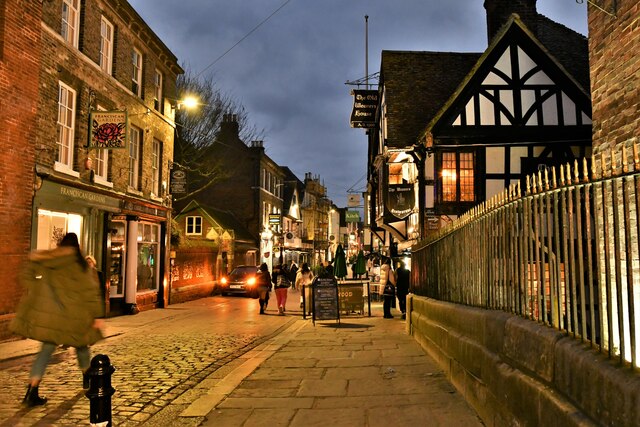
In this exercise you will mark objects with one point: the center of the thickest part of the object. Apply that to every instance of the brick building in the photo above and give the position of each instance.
(93, 58)
(252, 189)
(19, 65)
(614, 43)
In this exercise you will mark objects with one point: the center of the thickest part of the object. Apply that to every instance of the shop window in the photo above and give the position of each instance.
(148, 256)
(194, 225)
(70, 21)
(52, 226)
(457, 174)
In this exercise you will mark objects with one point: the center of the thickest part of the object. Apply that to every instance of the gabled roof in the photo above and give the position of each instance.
(512, 30)
(416, 85)
(225, 219)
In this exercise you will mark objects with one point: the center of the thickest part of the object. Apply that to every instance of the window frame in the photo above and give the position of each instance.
(135, 147)
(193, 225)
(156, 162)
(457, 180)
(106, 59)
(136, 72)
(158, 80)
(70, 7)
(66, 111)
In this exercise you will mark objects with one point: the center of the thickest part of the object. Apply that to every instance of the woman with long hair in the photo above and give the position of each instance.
(60, 307)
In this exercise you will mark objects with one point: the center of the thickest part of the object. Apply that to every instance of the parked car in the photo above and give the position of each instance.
(241, 280)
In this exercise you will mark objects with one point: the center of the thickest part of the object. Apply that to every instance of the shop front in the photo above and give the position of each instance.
(59, 209)
(127, 238)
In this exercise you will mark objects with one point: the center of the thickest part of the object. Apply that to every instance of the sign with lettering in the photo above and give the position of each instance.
(274, 219)
(325, 298)
(351, 297)
(108, 129)
(352, 216)
(365, 104)
(178, 181)
(401, 200)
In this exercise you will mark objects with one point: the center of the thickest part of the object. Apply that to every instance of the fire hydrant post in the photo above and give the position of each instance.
(100, 390)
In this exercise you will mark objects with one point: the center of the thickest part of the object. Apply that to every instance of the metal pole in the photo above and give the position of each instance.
(366, 49)
(100, 390)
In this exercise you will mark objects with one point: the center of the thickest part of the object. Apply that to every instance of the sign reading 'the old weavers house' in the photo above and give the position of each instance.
(365, 103)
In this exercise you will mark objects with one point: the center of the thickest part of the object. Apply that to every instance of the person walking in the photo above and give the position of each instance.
(61, 307)
(280, 280)
(388, 279)
(263, 283)
(403, 281)
(293, 274)
(303, 282)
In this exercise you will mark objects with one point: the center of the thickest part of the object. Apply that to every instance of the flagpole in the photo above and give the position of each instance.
(366, 49)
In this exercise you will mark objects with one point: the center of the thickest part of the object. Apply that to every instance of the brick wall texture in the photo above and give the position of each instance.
(614, 44)
(19, 65)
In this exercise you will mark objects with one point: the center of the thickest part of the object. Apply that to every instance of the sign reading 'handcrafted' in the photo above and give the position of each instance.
(365, 103)
(108, 129)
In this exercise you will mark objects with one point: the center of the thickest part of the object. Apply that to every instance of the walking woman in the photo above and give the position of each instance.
(388, 278)
(280, 280)
(303, 281)
(264, 286)
(60, 308)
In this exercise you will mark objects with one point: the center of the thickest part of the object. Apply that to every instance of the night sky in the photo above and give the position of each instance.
(289, 73)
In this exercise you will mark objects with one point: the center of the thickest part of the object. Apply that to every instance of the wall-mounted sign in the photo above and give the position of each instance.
(400, 200)
(274, 219)
(108, 129)
(178, 181)
(365, 104)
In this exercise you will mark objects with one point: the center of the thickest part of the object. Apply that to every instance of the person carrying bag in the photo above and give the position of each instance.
(388, 277)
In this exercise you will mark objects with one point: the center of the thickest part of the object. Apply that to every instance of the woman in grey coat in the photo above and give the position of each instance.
(60, 308)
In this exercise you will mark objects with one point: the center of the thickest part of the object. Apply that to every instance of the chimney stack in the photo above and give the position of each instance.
(229, 128)
(499, 11)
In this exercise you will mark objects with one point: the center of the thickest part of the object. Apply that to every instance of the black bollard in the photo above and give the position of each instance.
(100, 390)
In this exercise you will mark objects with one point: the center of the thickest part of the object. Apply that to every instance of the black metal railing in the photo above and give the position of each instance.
(564, 253)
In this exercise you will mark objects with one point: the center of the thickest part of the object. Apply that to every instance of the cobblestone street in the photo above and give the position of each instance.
(159, 357)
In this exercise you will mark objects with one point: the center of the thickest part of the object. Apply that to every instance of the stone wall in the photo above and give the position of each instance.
(193, 274)
(516, 372)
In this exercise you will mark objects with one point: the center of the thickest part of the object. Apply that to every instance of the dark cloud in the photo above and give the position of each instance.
(290, 73)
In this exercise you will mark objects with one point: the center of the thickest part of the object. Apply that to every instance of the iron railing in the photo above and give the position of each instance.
(565, 253)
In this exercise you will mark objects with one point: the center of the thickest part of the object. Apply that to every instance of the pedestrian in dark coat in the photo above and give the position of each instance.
(388, 281)
(60, 307)
(403, 280)
(263, 281)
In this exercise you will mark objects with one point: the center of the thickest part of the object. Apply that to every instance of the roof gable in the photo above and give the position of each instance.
(517, 88)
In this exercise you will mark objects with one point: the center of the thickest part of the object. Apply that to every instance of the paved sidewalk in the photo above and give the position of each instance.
(365, 371)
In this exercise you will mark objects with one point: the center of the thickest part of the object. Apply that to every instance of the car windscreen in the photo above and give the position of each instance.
(242, 272)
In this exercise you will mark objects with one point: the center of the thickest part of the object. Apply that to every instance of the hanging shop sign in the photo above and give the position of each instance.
(274, 219)
(400, 200)
(352, 216)
(353, 200)
(108, 129)
(365, 104)
(178, 181)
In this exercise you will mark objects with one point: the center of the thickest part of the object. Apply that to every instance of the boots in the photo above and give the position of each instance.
(85, 380)
(32, 399)
(262, 304)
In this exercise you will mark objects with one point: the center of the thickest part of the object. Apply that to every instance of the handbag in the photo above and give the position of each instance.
(282, 281)
(389, 289)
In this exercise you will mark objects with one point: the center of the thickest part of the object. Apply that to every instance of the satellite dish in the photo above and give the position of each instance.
(289, 235)
(332, 237)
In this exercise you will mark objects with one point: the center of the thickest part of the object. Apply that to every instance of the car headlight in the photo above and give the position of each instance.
(251, 281)
(223, 280)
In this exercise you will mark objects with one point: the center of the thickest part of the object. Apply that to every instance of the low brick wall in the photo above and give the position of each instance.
(516, 372)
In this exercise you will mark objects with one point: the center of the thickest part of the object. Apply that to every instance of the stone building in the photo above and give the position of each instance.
(99, 68)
